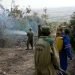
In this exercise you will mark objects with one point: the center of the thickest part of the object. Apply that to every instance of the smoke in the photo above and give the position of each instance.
(14, 29)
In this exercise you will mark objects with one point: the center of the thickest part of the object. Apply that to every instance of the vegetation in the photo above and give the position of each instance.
(72, 21)
(72, 24)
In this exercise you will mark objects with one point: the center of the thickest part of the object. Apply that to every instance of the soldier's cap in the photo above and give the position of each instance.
(30, 28)
(47, 28)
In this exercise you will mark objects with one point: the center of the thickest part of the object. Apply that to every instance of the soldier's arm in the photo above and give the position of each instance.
(68, 48)
(55, 58)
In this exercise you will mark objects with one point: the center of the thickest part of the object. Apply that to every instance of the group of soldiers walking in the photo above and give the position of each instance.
(51, 56)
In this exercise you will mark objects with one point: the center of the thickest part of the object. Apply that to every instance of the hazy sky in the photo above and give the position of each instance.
(40, 3)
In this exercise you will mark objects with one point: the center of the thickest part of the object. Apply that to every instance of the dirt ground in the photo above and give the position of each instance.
(71, 66)
(18, 61)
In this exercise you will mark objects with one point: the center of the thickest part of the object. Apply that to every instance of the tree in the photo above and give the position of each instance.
(45, 16)
(1, 6)
(16, 12)
(72, 21)
(72, 24)
(28, 10)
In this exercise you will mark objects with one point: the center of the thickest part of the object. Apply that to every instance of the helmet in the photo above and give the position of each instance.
(45, 30)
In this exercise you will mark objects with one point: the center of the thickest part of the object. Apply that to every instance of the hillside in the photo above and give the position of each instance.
(58, 14)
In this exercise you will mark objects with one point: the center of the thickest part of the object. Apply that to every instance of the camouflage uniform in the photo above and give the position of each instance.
(46, 57)
(30, 39)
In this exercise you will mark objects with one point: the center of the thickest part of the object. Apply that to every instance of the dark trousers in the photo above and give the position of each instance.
(29, 42)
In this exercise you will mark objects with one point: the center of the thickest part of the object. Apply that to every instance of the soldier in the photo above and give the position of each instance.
(46, 57)
(59, 41)
(66, 51)
(39, 30)
(30, 39)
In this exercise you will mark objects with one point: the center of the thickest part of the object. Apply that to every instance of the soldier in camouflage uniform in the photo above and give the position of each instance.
(30, 39)
(46, 57)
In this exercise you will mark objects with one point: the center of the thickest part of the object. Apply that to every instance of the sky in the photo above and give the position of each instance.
(36, 4)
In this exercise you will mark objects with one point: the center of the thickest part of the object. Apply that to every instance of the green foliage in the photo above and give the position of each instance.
(72, 21)
(16, 12)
